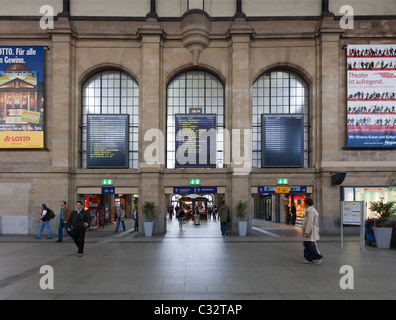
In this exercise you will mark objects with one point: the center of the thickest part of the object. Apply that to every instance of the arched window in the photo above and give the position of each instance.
(280, 120)
(197, 96)
(110, 93)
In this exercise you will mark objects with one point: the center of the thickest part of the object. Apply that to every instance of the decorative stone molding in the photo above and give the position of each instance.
(195, 26)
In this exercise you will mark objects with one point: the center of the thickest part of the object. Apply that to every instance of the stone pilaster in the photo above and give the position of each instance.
(328, 147)
(151, 186)
(240, 118)
(62, 54)
(329, 89)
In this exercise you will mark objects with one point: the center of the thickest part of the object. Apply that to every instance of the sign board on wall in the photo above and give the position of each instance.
(107, 144)
(282, 138)
(186, 190)
(195, 141)
(371, 79)
(291, 189)
(21, 97)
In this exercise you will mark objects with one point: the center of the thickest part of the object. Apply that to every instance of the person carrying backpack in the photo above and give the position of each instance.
(46, 215)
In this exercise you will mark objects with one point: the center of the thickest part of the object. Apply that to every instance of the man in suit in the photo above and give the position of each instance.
(79, 220)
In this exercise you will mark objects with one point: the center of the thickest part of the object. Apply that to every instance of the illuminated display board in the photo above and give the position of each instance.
(107, 144)
(195, 141)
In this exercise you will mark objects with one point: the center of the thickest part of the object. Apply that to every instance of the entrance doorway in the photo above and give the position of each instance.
(200, 219)
(266, 207)
(277, 207)
(103, 208)
(202, 204)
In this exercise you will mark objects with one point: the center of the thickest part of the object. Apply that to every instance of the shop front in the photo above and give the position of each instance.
(368, 194)
(276, 204)
(104, 203)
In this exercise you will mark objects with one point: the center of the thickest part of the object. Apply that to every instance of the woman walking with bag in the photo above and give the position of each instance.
(311, 234)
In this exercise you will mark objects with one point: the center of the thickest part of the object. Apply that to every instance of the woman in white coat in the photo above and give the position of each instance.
(311, 233)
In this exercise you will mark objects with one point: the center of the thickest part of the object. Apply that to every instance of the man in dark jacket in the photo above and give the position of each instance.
(224, 213)
(80, 220)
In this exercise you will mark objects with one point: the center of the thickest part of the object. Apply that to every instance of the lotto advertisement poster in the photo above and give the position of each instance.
(371, 94)
(21, 97)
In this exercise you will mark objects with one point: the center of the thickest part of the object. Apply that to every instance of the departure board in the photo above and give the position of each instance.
(195, 141)
(282, 138)
(107, 144)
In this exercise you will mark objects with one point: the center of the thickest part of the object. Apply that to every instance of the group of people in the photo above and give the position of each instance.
(75, 223)
(223, 213)
(187, 212)
(120, 218)
(310, 228)
(78, 220)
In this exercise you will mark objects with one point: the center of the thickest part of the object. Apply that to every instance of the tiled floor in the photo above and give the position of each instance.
(195, 263)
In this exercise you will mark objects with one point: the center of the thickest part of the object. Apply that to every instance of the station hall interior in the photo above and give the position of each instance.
(186, 103)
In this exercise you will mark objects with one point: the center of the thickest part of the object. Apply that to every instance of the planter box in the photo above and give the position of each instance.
(242, 228)
(148, 229)
(393, 240)
(383, 237)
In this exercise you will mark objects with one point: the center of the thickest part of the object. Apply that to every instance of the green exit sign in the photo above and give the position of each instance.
(107, 182)
(195, 181)
(283, 181)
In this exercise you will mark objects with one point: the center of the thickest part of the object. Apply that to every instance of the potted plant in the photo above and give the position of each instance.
(384, 211)
(241, 214)
(149, 216)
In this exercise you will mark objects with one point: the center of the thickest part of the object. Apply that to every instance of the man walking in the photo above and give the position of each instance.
(224, 212)
(45, 222)
(293, 211)
(120, 218)
(64, 216)
(80, 220)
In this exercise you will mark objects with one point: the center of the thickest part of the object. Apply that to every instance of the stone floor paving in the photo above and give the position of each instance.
(196, 263)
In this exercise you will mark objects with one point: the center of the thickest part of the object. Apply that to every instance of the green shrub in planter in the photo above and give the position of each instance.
(385, 211)
(241, 210)
(149, 211)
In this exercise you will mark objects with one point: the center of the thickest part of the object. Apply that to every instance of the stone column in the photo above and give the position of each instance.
(327, 197)
(329, 38)
(240, 118)
(59, 110)
(152, 189)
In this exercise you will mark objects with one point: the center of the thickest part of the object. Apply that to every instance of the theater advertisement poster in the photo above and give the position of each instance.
(21, 97)
(371, 94)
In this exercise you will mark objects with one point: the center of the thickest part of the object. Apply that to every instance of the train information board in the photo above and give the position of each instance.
(195, 141)
(107, 144)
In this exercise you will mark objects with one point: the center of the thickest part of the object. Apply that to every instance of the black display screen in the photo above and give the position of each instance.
(107, 144)
(282, 140)
(195, 141)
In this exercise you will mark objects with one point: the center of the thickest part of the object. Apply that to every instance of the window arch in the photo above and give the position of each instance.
(195, 92)
(111, 92)
(283, 93)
